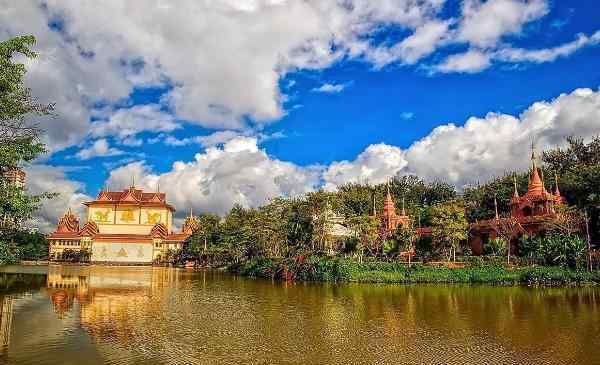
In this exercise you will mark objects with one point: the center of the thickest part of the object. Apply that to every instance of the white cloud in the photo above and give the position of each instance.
(330, 88)
(549, 54)
(126, 123)
(424, 41)
(239, 172)
(223, 66)
(374, 165)
(470, 62)
(483, 23)
(42, 179)
(476, 60)
(100, 148)
(482, 148)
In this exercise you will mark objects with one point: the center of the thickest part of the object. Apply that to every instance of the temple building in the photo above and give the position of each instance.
(126, 227)
(390, 220)
(532, 211)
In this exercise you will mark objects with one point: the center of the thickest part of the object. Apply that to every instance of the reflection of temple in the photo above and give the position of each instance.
(530, 212)
(110, 301)
(130, 226)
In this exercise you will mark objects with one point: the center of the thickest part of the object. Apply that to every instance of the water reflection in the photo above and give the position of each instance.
(159, 315)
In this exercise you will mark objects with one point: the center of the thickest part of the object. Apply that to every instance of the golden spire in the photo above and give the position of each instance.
(556, 190)
(516, 194)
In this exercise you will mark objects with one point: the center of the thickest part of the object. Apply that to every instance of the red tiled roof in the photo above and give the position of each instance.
(132, 196)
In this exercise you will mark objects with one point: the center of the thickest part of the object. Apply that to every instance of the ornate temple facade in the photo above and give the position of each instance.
(530, 212)
(127, 227)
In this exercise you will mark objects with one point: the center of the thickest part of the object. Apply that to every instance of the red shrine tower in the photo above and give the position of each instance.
(537, 201)
(389, 219)
(532, 211)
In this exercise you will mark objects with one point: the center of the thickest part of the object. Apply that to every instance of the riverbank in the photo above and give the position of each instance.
(347, 270)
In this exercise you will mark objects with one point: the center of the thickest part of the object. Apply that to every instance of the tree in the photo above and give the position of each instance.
(20, 140)
(506, 228)
(406, 236)
(449, 226)
(578, 168)
(366, 231)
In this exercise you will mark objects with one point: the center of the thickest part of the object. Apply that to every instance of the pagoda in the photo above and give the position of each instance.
(390, 220)
(532, 211)
(127, 227)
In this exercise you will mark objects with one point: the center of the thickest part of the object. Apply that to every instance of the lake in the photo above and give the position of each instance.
(151, 315)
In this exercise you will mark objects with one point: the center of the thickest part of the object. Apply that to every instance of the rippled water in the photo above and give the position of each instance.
(144, 315)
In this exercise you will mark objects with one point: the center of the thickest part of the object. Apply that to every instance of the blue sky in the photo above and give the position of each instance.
(344, 94)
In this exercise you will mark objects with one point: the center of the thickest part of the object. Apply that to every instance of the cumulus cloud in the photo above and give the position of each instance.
(238, 172)
(223, 70)
(100, 148)
(374, 165)
(480, 149)
(42, 179)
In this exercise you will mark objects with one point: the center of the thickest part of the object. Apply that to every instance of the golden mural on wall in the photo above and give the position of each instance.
(127, 216)
(101, 216)
(152, 217)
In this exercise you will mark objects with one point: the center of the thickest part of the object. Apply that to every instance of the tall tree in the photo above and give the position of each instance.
(20, 138)
(449, 226)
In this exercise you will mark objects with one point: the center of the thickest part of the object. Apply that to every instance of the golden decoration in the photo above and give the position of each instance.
(101, 216)
(127, 216)
(153, 217)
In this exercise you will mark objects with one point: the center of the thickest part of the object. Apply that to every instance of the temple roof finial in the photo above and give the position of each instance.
(403, 210)
(556, 189)
(496, 207)
(516, 194)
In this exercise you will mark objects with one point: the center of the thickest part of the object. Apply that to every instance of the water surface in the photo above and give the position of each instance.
(145, 315)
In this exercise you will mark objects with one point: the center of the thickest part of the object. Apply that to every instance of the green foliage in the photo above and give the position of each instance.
(555, 250)
(495, 247)
(345, 270)
(449, 225)
(20, 143)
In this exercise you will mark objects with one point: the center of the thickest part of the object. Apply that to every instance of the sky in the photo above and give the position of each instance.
(218, 102)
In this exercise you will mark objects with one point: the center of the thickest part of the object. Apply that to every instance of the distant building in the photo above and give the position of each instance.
(127, 227)
(532, 211)
(390, 220)
(14, 177)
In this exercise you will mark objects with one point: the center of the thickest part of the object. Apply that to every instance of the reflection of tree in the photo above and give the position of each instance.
(6, 314)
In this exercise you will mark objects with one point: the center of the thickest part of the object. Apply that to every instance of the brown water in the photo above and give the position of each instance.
(111, 315)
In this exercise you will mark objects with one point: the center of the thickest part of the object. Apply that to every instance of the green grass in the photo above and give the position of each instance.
(344, 270)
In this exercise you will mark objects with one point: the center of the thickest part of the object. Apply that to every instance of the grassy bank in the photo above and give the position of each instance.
(346, 270)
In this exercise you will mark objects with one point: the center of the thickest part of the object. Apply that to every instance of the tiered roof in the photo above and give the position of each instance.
(132, 196)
